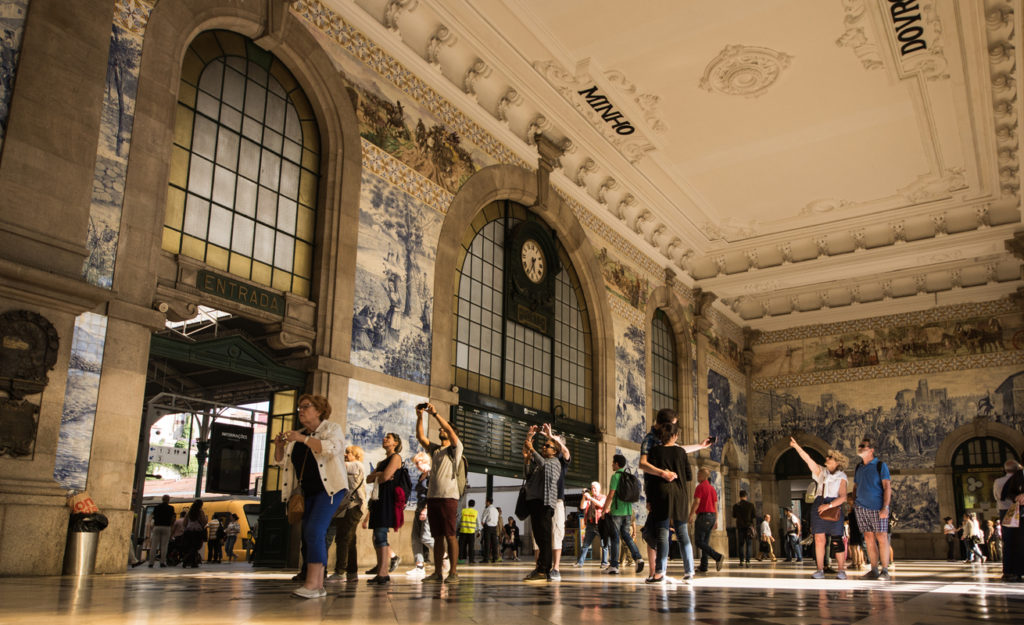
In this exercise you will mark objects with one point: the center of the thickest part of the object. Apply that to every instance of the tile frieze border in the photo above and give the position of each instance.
(891, 370)
(944, 313)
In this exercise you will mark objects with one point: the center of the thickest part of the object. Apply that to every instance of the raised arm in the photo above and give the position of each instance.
(811, 464)
(447, 427)
(562, 449)
(694, 448)
(421, 424)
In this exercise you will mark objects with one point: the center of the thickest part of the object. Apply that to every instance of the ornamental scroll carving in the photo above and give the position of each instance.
(28, 351)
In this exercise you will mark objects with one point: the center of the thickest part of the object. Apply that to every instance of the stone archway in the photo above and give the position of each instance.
(979, 428)
(769, 483)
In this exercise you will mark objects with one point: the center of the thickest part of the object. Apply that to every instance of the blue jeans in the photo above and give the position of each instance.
(795, 548)
(702, 527)
(746, 544)
(660, 537)
(621, 524)
(317, 516)
(588, 539)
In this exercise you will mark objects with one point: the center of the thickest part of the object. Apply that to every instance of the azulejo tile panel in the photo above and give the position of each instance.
(12, 26)
(630, 381)
(394, 281)
(127, 31)
(727, 413)
(909, 417)
(374, 411)
(81, 395)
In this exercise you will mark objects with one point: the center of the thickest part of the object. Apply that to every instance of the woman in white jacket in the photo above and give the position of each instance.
(974, 537)
(312, 467)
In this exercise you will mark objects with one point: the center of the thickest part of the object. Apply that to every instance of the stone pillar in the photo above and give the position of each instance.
(45, 190)
(119, 416)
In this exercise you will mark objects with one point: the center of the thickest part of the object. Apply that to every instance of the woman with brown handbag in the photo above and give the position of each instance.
(827, 509)
(312, 469)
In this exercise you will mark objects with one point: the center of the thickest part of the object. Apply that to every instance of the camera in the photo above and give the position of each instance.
(712, 439)
(422, 406)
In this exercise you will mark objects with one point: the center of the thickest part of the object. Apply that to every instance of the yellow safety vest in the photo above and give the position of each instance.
(468, 523)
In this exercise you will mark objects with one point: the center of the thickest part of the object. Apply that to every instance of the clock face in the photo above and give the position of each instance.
(533, 261)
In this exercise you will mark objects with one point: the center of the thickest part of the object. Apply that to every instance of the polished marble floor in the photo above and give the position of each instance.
(929, 593)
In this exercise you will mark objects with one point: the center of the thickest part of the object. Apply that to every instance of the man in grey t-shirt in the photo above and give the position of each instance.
(443, 490)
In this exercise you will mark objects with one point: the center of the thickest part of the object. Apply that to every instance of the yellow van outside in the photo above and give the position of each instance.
(247, 509)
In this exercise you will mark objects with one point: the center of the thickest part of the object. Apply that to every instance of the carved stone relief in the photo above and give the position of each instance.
(28, 350)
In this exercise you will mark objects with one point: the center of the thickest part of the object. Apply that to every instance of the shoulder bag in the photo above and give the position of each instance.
(296, 502)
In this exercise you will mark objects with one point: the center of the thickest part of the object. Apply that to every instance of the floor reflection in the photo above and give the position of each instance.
(921, 592)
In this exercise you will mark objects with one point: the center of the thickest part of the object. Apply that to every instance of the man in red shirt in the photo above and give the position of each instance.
(705, 511)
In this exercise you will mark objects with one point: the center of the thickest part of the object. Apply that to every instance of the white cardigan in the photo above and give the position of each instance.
(330, 461)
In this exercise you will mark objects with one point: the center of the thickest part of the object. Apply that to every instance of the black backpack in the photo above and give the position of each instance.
(629, 487)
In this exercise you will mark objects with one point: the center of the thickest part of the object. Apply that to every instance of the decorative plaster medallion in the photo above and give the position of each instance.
(744, 70)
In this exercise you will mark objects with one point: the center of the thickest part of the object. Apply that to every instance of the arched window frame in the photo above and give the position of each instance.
(567, 356)
(280, 189)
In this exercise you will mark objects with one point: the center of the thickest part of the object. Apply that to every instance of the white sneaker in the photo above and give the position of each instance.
(416, 572)
(306, 593)
(614, 570)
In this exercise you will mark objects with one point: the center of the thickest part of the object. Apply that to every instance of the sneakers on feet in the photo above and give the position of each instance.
(872, 574)
(577, 564)
(841, 575)
(613, 570)
(352, 577)
(719, 562)
(655, 580)
(819, 574)
(883, 575)
(452, 578)
(395, 561)
(554, 576)
(639, 566)
(535, 576)
(433, 577)
(308, 593)
(416, 572)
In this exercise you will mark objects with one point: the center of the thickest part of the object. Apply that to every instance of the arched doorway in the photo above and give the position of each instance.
(792, 477)
(976, 464)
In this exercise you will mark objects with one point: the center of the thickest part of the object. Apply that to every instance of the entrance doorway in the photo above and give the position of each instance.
(219, 369)
(976, 464)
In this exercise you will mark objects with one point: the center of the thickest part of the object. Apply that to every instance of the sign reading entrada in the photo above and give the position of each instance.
(601, 105)
(236, 291)
(905, 20)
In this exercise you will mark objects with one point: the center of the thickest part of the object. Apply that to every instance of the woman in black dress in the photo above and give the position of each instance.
(510, 538)
(670, 503)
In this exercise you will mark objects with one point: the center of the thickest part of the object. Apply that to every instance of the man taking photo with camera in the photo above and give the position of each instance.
(443, 490)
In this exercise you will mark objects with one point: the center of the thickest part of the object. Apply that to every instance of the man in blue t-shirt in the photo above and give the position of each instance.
(873, 493)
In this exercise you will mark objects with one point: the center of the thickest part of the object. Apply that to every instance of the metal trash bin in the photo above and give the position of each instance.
(80, 555)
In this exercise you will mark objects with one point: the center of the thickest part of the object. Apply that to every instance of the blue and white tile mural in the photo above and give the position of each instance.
(80, 397)
(727, 415)
(127, 31)
(630, 382)
(914, 503)
(373, 411)
(908, 416)
(12, 26)
(394, 282)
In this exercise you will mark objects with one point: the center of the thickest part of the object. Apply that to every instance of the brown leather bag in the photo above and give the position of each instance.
(832, 514)
(297, 502)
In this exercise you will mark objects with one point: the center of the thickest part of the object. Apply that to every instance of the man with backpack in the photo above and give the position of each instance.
(623, 492)
(873, 493)
(443, 491)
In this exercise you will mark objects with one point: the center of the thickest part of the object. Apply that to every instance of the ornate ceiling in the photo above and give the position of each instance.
(803, 160)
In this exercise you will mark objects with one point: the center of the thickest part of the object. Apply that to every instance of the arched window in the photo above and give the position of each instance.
(498, 357)
(245, 165)
(664, 389)
(976, 464)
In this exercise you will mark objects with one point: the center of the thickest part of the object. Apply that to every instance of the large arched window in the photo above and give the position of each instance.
(664, 382)
(245, 165)
(498, 357)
